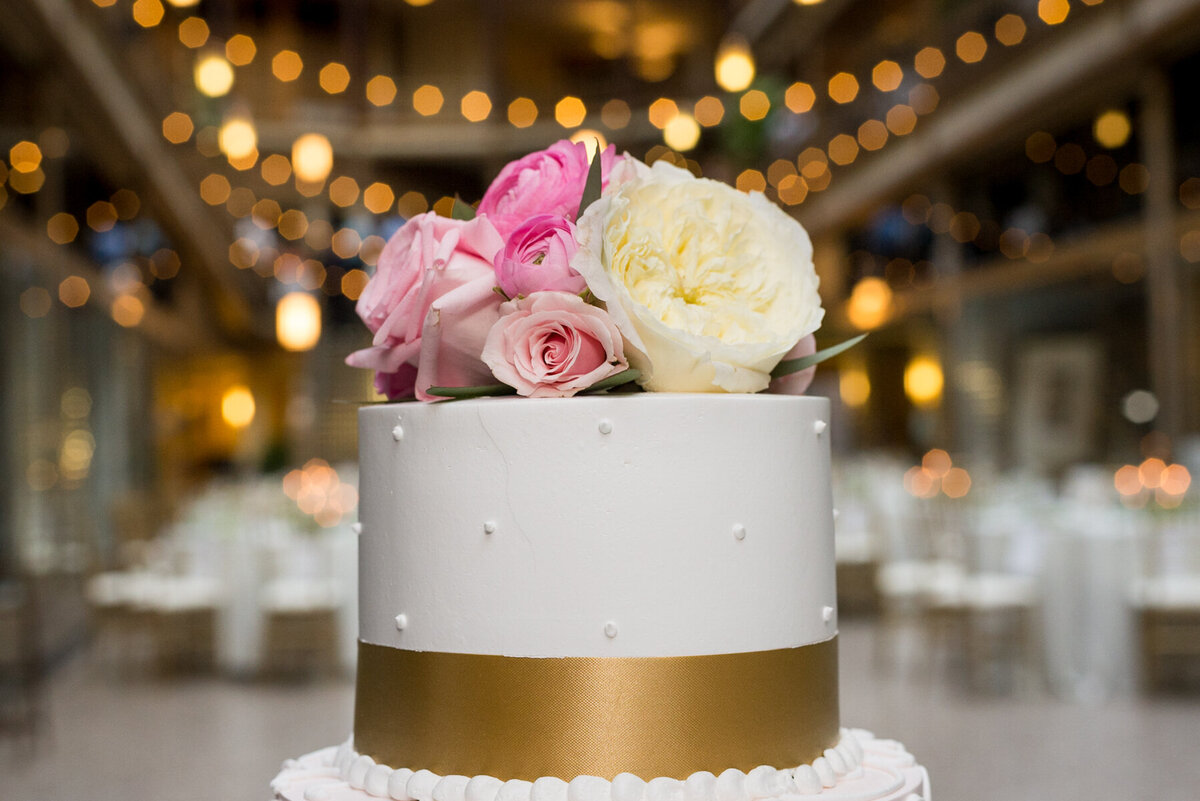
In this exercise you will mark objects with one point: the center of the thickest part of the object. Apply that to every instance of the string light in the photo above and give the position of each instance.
(213, 76)
(381, 90)
(923, 381)
(193, 32)
(754, 105)
(854, 387)
(237, 138)
(843, 88)
(522, 112)
(287, 65)
(682, 132)
(1112, 129)
(298, 321)
(570, 112)
(870, 304)
(661, 112)
(615, 114)
(476, 106)
(592, 140)
(734, 65)
(427, 100)
(240, 50)
(237, 406)
(147, 13)
(312, 157)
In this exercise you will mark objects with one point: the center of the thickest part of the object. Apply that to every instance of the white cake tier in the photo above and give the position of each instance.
(860, 768)
(629, 525)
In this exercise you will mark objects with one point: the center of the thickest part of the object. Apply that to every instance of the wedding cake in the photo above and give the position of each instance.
(618, 596)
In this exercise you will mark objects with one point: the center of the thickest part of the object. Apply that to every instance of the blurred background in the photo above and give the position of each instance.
(193, 194)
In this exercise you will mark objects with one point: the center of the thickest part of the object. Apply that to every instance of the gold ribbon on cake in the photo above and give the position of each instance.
(521, 718)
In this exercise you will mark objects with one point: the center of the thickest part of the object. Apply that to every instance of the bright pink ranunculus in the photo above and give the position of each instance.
(552, 345)
(429, 264)
(548, 181)
(537, 257)
(796, 383)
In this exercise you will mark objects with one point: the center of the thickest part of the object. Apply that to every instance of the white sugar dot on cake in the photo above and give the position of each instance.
(398, 433)
(606, 426)
(489, 527)
(739, 531)
(610, 629)
(401, 621)
(827, 614)
(356, 528)
(819, 426)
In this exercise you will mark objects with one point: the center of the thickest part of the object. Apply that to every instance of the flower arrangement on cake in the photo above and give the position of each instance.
(572, 278)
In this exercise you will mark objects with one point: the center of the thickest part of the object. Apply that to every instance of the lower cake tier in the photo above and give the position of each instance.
(859, 768)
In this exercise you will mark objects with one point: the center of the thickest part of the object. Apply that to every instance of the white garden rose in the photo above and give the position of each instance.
(709, 286)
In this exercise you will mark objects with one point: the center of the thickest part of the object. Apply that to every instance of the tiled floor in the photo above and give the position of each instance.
(220, 740)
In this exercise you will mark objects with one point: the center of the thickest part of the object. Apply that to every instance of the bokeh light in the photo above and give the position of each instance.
(213, 76)
(734, 65)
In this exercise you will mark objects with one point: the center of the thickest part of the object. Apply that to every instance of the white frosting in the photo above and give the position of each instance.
(859, 768)
(600, 509)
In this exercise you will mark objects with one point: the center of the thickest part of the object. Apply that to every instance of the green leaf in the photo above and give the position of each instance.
(461, 211)
(614, 380)
(789, 366)
(591, 188)
(464, 393)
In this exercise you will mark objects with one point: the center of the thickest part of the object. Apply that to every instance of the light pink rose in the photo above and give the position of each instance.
(453, 337)
(552, 345)
(432, 264)
(796, 383)
(548, 181)
(537, 257)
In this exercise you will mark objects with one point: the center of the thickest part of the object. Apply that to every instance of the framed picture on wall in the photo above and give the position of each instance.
(1057, 404)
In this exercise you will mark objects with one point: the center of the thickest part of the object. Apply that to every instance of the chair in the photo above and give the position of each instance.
(300, 631)
(22, 713)
(1168, 617)
(182, 612)
(1166, 604)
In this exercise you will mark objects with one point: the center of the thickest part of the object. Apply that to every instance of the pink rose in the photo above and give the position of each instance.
(548, 181)
(552, 345)
(537, 257)
(796, 383)
(430, 305)
(452, 338)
